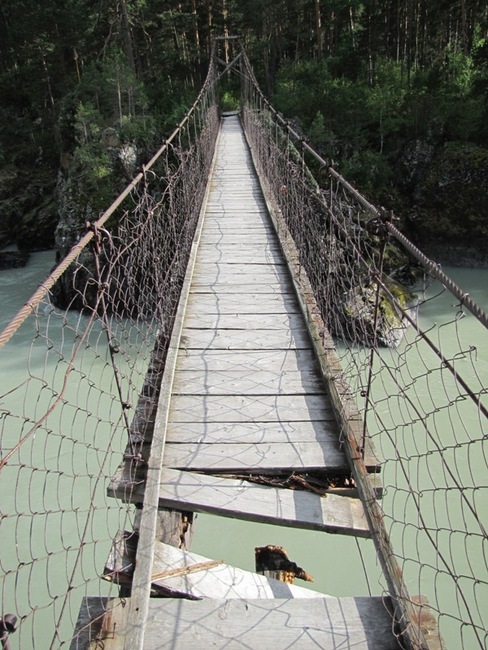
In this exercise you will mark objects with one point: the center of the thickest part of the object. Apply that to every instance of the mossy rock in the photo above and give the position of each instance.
(358, 314)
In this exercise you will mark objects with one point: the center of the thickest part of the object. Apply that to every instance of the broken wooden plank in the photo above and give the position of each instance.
(185, 574)
(243, 500)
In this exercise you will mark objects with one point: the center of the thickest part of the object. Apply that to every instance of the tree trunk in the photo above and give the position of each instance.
(318, 30)
(129, 51)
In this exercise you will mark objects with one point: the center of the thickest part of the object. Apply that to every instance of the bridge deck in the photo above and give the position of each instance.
(246, 392)
(247, 396)
(245, 400)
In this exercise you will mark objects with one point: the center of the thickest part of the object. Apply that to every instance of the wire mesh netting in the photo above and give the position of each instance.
(84, 358)
(413, 349)
(81, 364)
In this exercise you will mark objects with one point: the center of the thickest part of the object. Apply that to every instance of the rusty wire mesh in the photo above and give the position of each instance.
(76, 392)
(416, 361)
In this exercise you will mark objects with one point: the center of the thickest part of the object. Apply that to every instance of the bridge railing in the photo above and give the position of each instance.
(410, 341)
(76, 392)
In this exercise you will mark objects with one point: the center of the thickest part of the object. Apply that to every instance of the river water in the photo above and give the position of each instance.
(340, 565)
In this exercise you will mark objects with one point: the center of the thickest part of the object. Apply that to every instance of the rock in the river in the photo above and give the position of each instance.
(358, 314)
(13, 259)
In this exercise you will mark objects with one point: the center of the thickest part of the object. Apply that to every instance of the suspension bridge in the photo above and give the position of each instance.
(232, 337)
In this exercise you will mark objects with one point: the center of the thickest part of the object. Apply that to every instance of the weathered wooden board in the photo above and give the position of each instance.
(245, 237)
(271, 625)
(260, 458)
(244, 408)
(239, 219)
(268, 277)
(244, 321)
(242, 289)
(276, 361)
(231, 269)
(265, 275)
(202, 382)
(253, 255)
(329, 623)
(234, 248)
(253, 303)
(225, 339)
(222, 581)
(253, 432)
(243, 210)
(249, 501)
(240, 223)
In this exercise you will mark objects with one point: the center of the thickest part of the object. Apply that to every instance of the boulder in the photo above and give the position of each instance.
(357, 314)
(13, 259)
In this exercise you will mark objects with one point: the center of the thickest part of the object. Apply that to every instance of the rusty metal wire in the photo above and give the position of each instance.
(410, 341)
(81, 362)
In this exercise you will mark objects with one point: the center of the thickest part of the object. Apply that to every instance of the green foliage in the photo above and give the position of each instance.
(229, 102)
(357, 83)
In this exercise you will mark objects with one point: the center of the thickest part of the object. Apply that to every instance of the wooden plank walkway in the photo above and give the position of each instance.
(243, 414)
(247, 396)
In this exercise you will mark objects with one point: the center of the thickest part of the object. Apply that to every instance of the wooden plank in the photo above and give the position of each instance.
(240, 224)
(328, 623)
(230, 270)
(276, 361)
(226, 210)
(252, 432)
(234, 304)
(235, 248)
(254, 408)
(224, 339)
(243, 500)
(222, 581)
(203, 382)
(279, 624)
(265, 275)
(257, 236)
(244, 289)
(239, 217)
(243, 321)
(259, 458)
(236, 256)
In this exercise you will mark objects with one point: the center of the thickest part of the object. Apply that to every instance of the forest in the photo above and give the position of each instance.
(393, 92)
